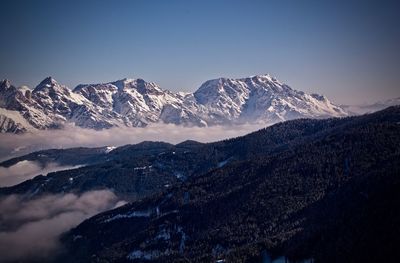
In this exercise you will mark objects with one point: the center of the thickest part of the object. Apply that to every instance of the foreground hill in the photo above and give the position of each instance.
(325, 190)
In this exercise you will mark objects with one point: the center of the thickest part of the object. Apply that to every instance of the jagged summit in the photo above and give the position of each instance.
(139, 84)
(259, 98)
(5, 83)
(263, 77)
(137, 103)
(49, 83)
(123, 83)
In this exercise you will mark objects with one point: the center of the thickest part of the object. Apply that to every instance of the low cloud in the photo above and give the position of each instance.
(25, 170)
(30, 230)
(71, 136)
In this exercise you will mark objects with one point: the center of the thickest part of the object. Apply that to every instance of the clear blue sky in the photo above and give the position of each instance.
(347, 50)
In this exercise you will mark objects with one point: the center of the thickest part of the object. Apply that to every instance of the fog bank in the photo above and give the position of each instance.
(25, 170)
(30, 230)
(12, 145)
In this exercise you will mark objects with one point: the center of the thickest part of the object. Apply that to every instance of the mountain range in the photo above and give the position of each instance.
(137, 103)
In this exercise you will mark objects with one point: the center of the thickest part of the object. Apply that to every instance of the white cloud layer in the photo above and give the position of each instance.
(30, 230)
(12, 145)
(25, 170)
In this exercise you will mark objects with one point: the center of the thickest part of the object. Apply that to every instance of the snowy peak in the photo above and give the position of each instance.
(140, 85)
(237, 88)
(260, 98)
(5, 84)
(223, 97)
(264, 78)
(134, 102)
(266, 82)
(51, 88)
(219, 89)
(48, 81)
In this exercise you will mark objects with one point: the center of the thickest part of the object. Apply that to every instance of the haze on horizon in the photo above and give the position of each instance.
(346, 50)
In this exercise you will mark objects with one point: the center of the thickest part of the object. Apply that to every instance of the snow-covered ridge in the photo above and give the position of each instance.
(137, 103)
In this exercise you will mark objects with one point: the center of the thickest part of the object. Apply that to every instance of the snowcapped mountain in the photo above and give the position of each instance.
(260, 99)
(137, 103)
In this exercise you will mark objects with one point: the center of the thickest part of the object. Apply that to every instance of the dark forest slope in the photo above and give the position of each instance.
(321, 189)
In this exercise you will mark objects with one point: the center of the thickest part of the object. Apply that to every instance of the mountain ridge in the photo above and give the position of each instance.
(137, 103)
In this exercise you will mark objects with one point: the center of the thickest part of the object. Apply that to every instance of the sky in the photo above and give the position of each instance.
(346, 50)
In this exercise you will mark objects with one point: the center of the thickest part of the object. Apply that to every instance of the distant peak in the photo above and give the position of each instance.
(267, 75)
(126, 80)
(139, 84)
(141, 81)
(48, 81)
(264, 77)
(49, 84)
(122, 83)
(5, 83)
